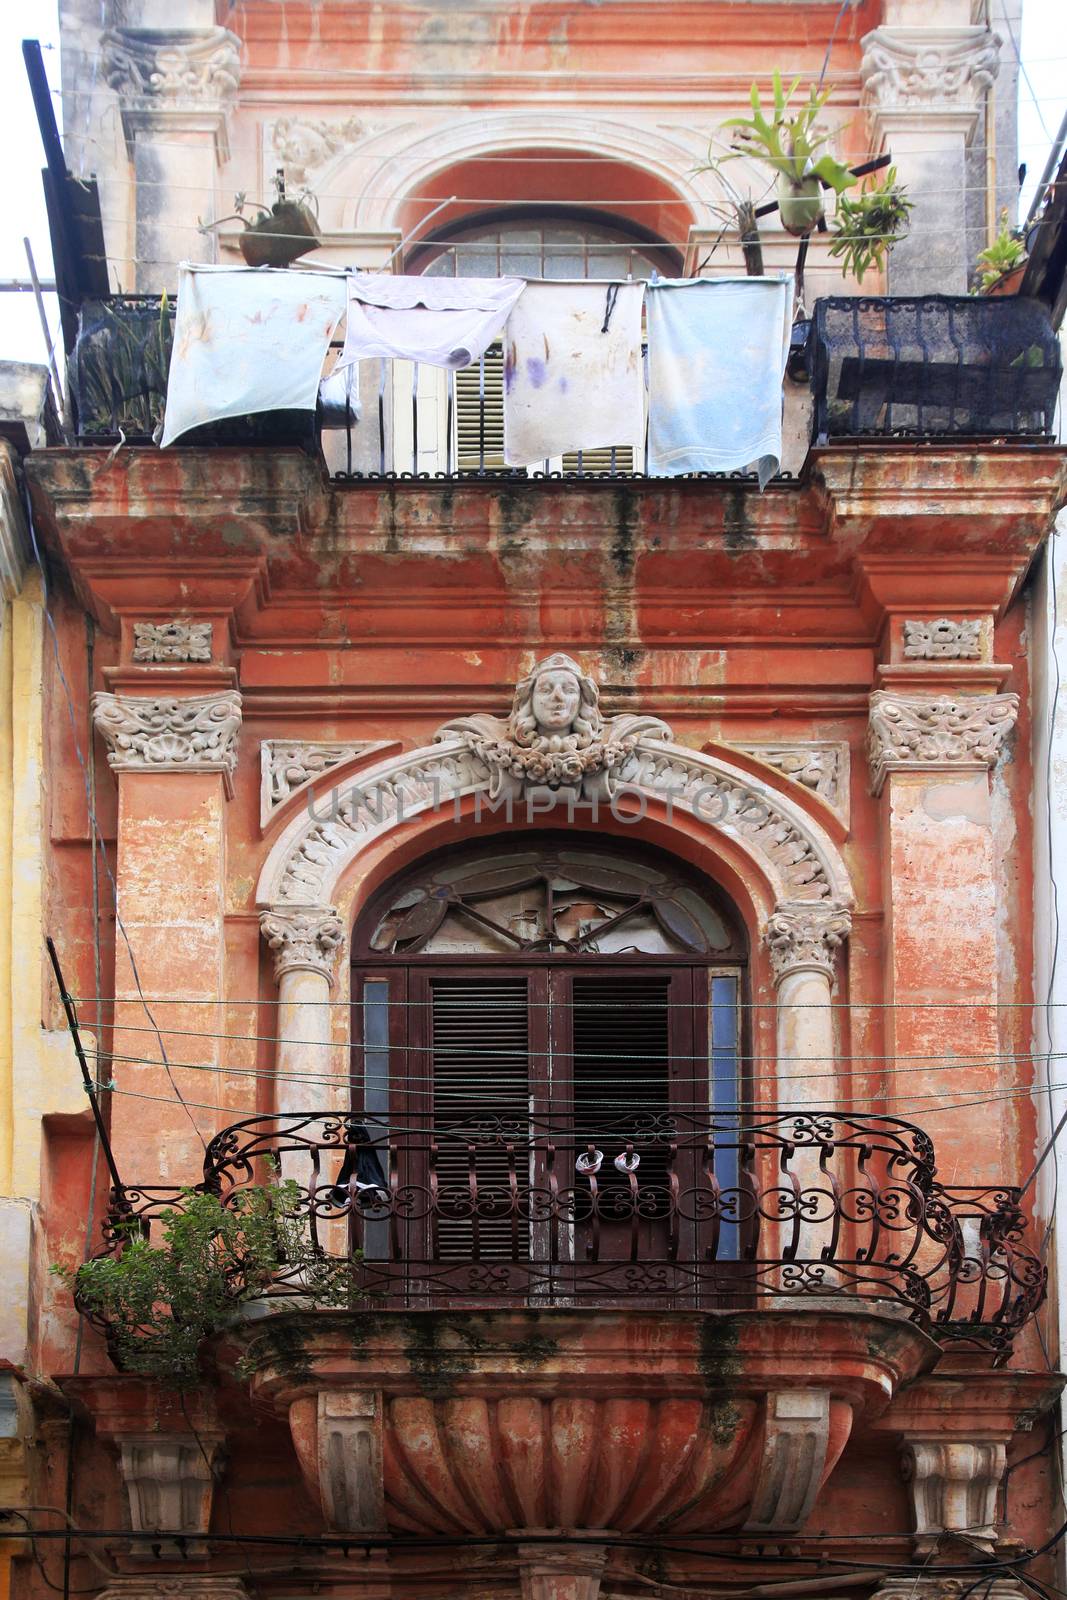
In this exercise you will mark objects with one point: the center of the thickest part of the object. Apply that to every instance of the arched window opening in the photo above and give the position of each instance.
(578, 1003)
(544, 242)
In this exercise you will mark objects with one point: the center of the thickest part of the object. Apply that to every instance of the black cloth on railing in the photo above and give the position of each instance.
(361, 1162)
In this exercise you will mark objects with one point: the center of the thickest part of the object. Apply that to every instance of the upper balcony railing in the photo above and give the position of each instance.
(932, 367)
(647, 1210)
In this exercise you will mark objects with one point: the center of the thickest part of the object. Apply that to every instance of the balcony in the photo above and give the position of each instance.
(934, 367)
(648, 1212)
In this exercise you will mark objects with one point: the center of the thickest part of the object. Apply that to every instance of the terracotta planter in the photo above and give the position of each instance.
(280, 235)
(1008, 282)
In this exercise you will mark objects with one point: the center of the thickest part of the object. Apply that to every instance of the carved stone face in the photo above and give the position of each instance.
(555, 701)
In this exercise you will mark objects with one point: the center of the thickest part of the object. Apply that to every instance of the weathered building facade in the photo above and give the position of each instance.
(609, 900)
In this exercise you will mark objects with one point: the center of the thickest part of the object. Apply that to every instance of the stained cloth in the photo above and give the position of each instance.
(717, 351)
(573, 376)
(246, 340)
(444, 322)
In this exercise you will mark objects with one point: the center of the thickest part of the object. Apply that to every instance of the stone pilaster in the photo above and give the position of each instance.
(924, 88)
(176, 88)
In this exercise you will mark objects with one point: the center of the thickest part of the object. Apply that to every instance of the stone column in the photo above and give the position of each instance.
(175, 87)
(930, 758)
(305, 945)
(803, 939)
(174, 758)
(924, 88)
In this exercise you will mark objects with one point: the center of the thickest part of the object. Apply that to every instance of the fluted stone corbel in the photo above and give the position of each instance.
(805, 937)
(953, 1485)
(796, 1439)
(914, 733)
(145, 733)
(303, 941)
(170, 1481)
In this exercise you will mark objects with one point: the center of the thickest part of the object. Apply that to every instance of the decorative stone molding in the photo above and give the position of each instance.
(594, 763)
(819, 765)
(169, 1586)
(289, 765)
(166, 78)
(909, 733)
(796, 1439)
(172, 641)
(302, 144)
(928, 69)
(303, 941)
(338, 1439)
(170, 1481)
(943, 639)
(954, 1486)
(555, 737)
(806, 938)
(939, 1587)
(547, 1573)
(198, 734)
(183, 67)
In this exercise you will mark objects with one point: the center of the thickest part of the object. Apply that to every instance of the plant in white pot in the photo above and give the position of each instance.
(793, 145)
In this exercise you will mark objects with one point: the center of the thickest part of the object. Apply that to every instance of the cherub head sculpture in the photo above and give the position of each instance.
(556, 708)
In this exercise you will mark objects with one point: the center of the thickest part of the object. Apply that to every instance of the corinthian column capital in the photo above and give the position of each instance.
(807, 937)
(303, 941)
(170, 734)
(908, 733)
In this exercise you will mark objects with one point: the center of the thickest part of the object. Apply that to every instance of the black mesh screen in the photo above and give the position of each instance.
(933, 365)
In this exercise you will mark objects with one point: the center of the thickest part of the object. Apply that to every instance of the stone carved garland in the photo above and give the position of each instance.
(943, 640)
(172, 641)
(303, 941)
(302, 144)
(806, 938)
(170, 734)
(908, 731)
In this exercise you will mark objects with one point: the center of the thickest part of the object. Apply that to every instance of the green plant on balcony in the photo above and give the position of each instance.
(159, 1302)
(121, 362)
(1007, 252)
(868, 223)
(791, 145)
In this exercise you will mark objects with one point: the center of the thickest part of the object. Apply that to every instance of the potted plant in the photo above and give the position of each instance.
(281, 233)
(157, 1303)
(1000, 265)
(867, 224)
(792, 145)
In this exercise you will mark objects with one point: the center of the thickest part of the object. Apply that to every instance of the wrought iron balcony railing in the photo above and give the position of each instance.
(662, 1210)
(929, 367)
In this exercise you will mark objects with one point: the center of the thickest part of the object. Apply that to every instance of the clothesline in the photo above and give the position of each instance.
(575, 377)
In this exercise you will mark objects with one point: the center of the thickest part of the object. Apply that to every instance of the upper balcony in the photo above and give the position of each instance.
(934, 368)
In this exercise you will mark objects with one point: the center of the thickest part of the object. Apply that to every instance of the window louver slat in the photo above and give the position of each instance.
(480, 425)
(621, 1066)
(481, 1069)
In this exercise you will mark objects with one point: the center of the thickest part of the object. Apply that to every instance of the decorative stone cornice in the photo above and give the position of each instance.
(806, 938)
(174, 1586)
(928, 70)
(954, 1485)
(303, 941)
(172, 641)
(174, 76)
(909, 733)
(143, 733)
(303, 144)
(943, 639)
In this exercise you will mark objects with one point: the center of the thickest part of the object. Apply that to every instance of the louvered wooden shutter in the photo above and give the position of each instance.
(594, 461)
(480, 416)
(481, 1070)
(621, 1067)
